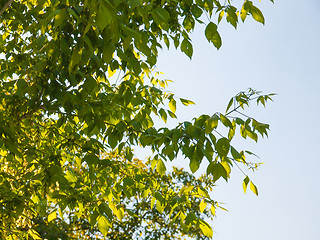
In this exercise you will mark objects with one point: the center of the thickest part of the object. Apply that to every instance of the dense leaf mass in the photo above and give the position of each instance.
(78, 91)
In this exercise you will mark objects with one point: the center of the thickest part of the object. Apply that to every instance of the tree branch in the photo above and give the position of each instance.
(5, 6)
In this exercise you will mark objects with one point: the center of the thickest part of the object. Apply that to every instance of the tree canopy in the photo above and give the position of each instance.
(79, 90)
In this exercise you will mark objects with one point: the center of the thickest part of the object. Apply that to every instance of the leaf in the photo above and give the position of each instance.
(230, 104)
(196, 11)
(186, 47)
(227, 168)
(225, 121)
(163, 115)
(103, 17)
(161, 17)
(194, 165)
(243, 12)
(253, 188)
(159, 206)
(135, 3)
(161, 167)
(107, 52)
(186, 102)
(212, 35)
(60, 18)
(221, 14)
(213, 210)
(206, 229)
(70, 176)
(188, 23)
(103, 225)
(118, 213)
(222, 147)
(232, 17)
(235, 154)
(172, 105)
(202, 206)
(245, 182)
(217, 171)
(211, 123)
(34, 234)
(257, 14)
(52, 216)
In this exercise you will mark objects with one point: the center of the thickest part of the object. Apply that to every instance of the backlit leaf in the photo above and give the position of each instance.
(206, 229)
(103, 225)
(222, 146)
(52, 216)
(253, 188)
(257, 14)
(245, 182)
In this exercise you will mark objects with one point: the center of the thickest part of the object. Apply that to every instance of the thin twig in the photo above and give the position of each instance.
(5, 6)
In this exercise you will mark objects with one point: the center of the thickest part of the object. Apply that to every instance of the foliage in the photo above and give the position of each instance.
(147, 203)
(65, 124)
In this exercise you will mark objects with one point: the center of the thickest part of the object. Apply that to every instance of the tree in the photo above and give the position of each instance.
(68, 124)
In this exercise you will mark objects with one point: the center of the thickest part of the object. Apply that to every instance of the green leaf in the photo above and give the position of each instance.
(230, 104)
(222, 147)
(107, 52)
(253, 188)
(60, 18)
(196, 11)
(103, 225)
(161, 167)
(188, 23)
(212, 35)
(186, 102)
(245, 182)
(161, 17)
(163, 115)
(186, 47)
(103, 17)
(257, 14)
(225, 121)
(211, 123)
(235, 154)
(232, 17)
(194, 165)
(217, 171)
(135, 3)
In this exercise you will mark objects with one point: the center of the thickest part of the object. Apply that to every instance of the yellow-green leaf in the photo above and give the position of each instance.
(206, 229)
(253, 188)
(161, 167)
(245, 183)
(172, 105)
(202, 206)
(257, 14)
(34, 234)
(52, 216)
(103, 225)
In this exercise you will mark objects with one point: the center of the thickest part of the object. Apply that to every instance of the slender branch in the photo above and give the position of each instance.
(243, 114)
(5, 6)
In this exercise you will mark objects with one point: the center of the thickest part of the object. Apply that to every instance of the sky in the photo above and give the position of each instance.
(283, 57)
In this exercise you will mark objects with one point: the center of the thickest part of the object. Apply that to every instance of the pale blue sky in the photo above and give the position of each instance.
(282, 57)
